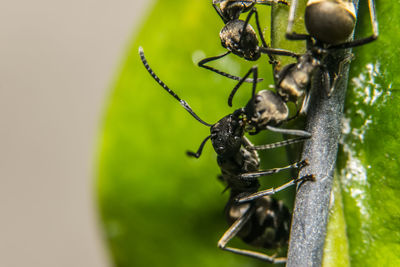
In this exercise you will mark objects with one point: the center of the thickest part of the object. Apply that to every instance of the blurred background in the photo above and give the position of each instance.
(74, 94)
(58, 60)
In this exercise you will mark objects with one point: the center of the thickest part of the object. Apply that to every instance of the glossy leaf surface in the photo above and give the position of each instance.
(369, 163)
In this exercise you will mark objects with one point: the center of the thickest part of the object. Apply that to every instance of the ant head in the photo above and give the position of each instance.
(243, 44)
(266, 108)
(231, 9)
(331, 22)
(226, 135)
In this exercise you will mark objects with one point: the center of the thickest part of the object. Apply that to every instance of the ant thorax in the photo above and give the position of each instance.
(331, 22)
(243, 44)
(240, 162)
(244, 161)
(297, 77)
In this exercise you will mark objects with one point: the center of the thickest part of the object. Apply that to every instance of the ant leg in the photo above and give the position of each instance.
(300, 133)
(342, 64)
(278, 144)
(271, 2)
(209, 59)
(363, 41)
(327, 79)
(290, 34)
(247, 144)
(307, 96)
(260, 32)
(295, 115)
(246, 22)
(265, 48)
(253, 70)
(232, 232)
(272, 59)
(255, 175)
(278, 51)
(272, 191)
(198, 153)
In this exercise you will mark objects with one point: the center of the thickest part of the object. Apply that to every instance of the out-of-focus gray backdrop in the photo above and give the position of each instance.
(58, 60)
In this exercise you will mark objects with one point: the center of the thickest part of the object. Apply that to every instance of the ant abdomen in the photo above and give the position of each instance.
(243, 44)
(329, 21)
(269, 225)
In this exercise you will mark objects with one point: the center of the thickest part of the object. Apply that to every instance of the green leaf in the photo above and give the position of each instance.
(369, 164)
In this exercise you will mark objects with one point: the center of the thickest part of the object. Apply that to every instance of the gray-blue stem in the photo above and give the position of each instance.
(311, 210)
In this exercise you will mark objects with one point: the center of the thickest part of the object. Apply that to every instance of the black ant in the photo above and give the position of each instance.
(329, 24)
(237, 35)
(263, 223)
(238, 158)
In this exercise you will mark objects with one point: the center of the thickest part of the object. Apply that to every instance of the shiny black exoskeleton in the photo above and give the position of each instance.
(237, 36)
(331, 22)
(266, 109)
(238, 160)
(236, 156)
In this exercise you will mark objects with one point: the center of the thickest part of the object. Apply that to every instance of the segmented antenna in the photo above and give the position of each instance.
(230, 76)
(163, 85)
(198, 153)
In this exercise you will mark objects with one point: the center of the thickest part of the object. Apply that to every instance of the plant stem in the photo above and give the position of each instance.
(311, 210)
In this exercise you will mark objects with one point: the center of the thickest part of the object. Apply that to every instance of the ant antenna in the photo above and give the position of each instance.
(163, 85)
(202, 63)
(198, 153)
(254, 69)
